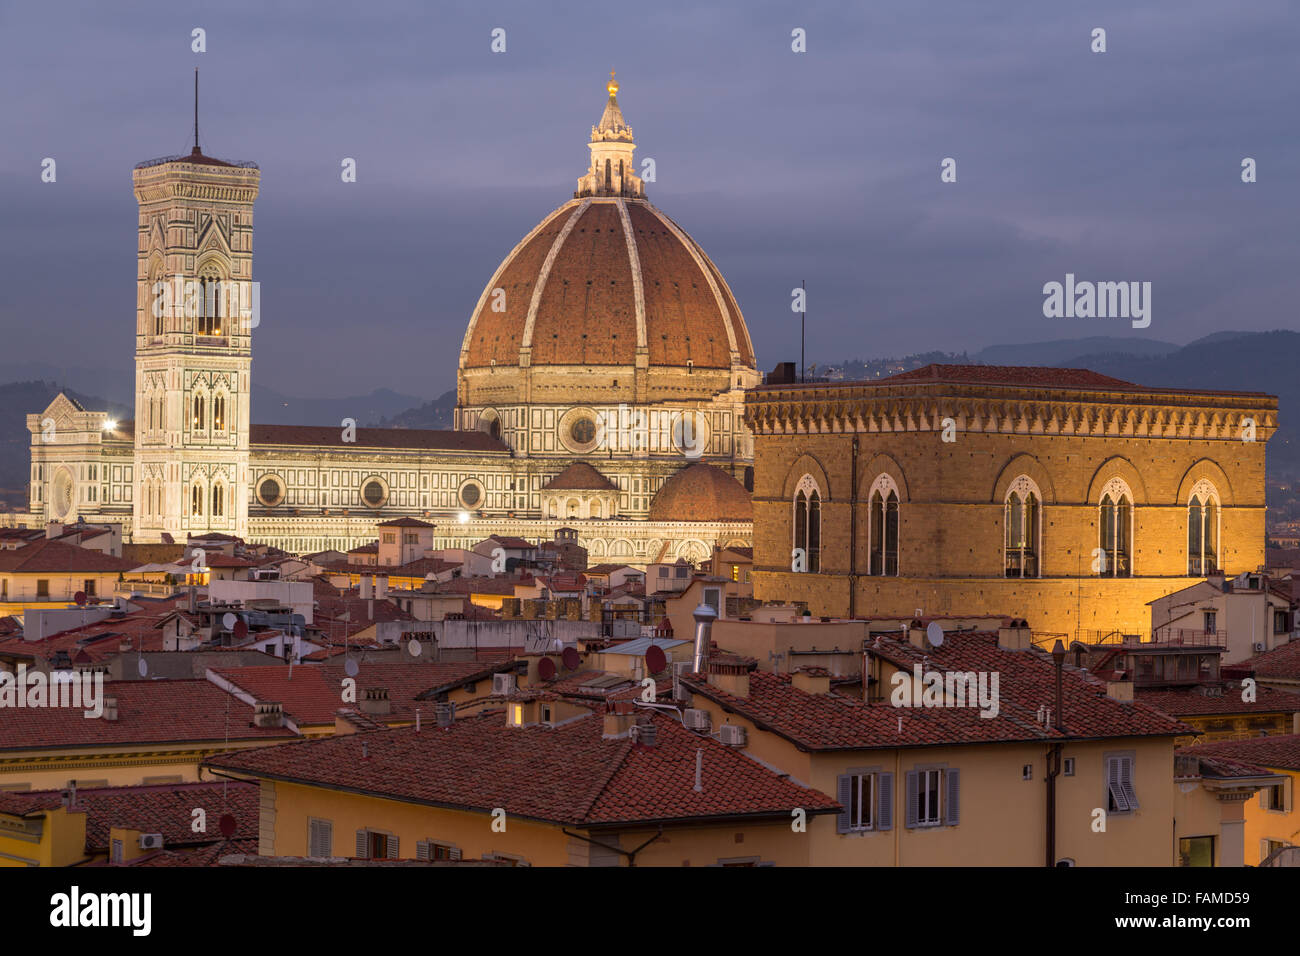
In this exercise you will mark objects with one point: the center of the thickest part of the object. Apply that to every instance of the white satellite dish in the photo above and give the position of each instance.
(350, 667)
(934, 634)
(414, 647)
(228, 621)
(142, 667)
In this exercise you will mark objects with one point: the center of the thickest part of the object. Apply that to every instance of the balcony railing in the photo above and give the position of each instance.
(1167, 636)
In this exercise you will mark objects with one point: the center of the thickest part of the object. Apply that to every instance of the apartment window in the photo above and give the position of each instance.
(1281, 622)
(1202, 529)
(376, 845)
(115, 855)
(506, 859)
(735, 572)
(320, 837)
(1068, 767)
(43, 588)
(1023, 518)
(808, 522)
(1115, 530)
(1121, 797)
(882, 532)
(1274, 798)
(1211, 622)
(933, 797)
(433, 850)
(1027, 772)
(713, 598)
(1196, 851)
(88, 585)
(868, 800)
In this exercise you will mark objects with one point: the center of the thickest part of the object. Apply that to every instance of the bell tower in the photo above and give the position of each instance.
(195, 311)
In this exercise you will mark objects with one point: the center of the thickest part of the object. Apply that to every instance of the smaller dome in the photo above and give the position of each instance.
(580, 476)
(702, 492)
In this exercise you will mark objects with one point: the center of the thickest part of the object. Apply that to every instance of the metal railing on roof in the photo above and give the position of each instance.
(1161, 637)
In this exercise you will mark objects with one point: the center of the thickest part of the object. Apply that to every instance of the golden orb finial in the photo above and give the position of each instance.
(612, 85)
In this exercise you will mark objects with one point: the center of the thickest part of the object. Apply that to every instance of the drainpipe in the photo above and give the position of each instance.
(1054, 757)
(853, 530)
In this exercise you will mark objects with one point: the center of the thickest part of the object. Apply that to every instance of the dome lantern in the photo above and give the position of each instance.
(611, 171)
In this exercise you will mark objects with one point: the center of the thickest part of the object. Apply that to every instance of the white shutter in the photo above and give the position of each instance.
(363, 845)
(392, 848)
(1113, 785)
(422, 848)
(913, 797)
(844, 794)
(455, 853)
(1126, 782)
(952, 812)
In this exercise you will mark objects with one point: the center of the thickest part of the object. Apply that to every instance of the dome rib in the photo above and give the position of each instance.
(531, 320)
(638, 289)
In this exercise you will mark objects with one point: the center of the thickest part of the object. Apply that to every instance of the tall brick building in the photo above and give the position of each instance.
(1062, 496)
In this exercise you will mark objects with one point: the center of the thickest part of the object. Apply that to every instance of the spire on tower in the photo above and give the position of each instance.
(196, 111)
(611, 172)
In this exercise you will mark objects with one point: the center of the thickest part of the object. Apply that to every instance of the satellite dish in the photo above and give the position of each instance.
(655, 659)
(80, 598)
(241, 629)
(350, 667)
(228, 621)
(414, 647)
(571, 658)
(143, 667)
(228, 825)
(934, 634)
(546, 669)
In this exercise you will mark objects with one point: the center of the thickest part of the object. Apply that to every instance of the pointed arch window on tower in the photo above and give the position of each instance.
(219, 412)
(1115, 531)
(196, 501)
(808, 522)
(1203, 530)
(218, 500)
(608, 167)
(1023, 508)
(200, 412)
(883, 527)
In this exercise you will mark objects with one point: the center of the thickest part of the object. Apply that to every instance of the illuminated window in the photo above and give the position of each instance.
(1115, 531)
(1023, 520)
(808, 522)
(882, 523)
(1203, 529)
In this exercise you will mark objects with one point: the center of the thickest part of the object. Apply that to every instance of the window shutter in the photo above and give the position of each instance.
(454, 853)
(363, 845)
(1263, 798)
(884, 801)
(952, 812)
(392, 848)
(913, 798)
(1126, 782)
(422, 850)
(844, 794)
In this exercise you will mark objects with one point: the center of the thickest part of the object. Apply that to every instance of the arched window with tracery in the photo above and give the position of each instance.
(196, 501)
(212, 306)
(218, 500)
(1023, 518)
(219, 412)
(1203, 529)
(1115, 530)
(200, 413)
(808, 522)
(882, 530)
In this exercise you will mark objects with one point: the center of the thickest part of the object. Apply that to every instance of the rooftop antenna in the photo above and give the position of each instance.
(196, 109)
(803, 313)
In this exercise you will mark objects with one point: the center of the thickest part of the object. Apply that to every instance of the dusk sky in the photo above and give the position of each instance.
(822, 166)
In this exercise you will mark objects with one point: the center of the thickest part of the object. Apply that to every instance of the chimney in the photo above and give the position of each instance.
(1015, 635)
(445, 712)
(367, 587)
(110, 708)
(381, 586)
(375, 702)
(704, 618)
(268, 713)
(70, 795)
(619, 719)
(647, 735)
(1120, 690)
(812, 680)
(731, 676)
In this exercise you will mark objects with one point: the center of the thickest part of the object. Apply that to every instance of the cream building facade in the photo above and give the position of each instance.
(600, 387)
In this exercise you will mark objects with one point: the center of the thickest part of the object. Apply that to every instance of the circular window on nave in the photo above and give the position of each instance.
(270, 491)
(374, 491)
(578, 430)
(471, 494)
(61, 499)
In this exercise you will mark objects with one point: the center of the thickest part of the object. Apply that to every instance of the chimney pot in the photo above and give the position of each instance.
(110, 708)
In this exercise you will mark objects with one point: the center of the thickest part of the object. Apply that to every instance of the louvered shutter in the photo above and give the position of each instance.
(1126, 782)
(844, 794)
(422, 848)
(363, 845)
(1113, 786)
(913, 797)
(392, 848)
(454, 852)
(885, 801)
(952, 812)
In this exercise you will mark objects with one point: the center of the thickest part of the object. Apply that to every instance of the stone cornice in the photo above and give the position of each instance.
(1141, 413)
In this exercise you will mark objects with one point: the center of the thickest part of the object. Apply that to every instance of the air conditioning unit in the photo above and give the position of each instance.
(733, 735)
(696, 719)
(1258, 647)
(151, 841)
(503, 684)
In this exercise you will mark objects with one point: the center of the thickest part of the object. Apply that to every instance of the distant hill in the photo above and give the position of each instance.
(273, 408)
(23, 399)
(1063, 353)
(434, 414)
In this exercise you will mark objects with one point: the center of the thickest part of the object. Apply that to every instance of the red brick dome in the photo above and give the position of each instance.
(702, 492)
(599, 279)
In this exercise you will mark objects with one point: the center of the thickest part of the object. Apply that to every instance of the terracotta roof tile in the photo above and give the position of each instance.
(1281, 751)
